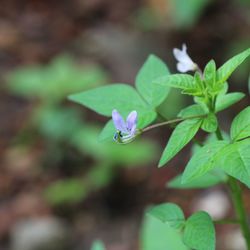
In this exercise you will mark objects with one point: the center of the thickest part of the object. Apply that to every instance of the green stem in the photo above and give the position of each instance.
(239, 208)
(226, 221)
(170, 122)
(236, 194)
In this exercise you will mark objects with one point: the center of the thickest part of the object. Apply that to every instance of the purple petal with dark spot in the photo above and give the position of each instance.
(131, 120)
(118, 121)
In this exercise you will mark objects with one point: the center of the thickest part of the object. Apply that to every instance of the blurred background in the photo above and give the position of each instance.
(60, 189)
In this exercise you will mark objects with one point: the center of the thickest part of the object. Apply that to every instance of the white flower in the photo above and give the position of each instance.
(185, 63)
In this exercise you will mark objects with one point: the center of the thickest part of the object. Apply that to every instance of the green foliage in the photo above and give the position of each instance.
(228, 68)
(199, 232)
(210, 74)
(66, 191)
(168, 213)
(52, 83)
(154, 94)
(209, 123)
(158, 236)
(98, 245)
(234, 160)
(186, 13)
(179, 81)
(225, 101)
(241, 125)
(182, 134)
(212, 178)
(203, 160)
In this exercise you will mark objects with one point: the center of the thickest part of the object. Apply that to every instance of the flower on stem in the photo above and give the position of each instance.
(125, 131)
(185, 63)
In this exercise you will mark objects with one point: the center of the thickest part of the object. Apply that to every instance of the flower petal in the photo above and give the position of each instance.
(131, 120)
(118, 121)
(183, 67)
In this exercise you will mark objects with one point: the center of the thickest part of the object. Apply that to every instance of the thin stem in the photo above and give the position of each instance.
(170, 122)
(236, 194)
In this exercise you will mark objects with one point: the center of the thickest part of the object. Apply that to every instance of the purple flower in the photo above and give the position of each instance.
(126, 131)
(185, 63)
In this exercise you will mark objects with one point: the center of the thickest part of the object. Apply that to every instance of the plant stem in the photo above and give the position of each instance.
(226, 221)
(236, 194)
(239, 208)
(170, 122)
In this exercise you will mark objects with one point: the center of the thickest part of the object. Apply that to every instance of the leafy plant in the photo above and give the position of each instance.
(62, 127)
(218, 159)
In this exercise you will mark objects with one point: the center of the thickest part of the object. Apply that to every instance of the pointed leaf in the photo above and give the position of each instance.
(180, 81)
(224, 72)
(210, 74)
(182, 134)
(199, 232)
(192, 110)
(153, 68)
(241, 125)
(235, 160)
(209, 179)
(225, 101)
(209, 123)
(203, 161)
(168, 213)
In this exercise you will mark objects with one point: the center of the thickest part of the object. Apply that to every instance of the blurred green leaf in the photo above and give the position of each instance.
(209, 123)
(66, 191)
(168, 213)
(156, 235)
(199, 232)
(98, 245)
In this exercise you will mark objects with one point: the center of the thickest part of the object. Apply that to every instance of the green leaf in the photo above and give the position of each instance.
(192, 110)
(224, 72)
(210, 74)
(122, 97)
(156, 235)
(235, 160)
(153, 93)
(225, 101)
(199, 232)
(179, 81)
(209, 123)
(107, 132)
(98, 245)
(182, 134)
(209, 179)
(203, 161)
(241, 125)
(168, 213)
(66, 191)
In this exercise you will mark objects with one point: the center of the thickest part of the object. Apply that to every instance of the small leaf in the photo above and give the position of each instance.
(225, 101)
(198, 81)
(168, 213)
(209, 123)
(235, 160)
(179, 81)
(199, 232)
(203, 161)
(97, 245)
(157, 235)
(241, 125)
(107, 132)
(209, 179)
(210, 74)
(192, 110)
(153, 93)
(224, 72)
(182, 134)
